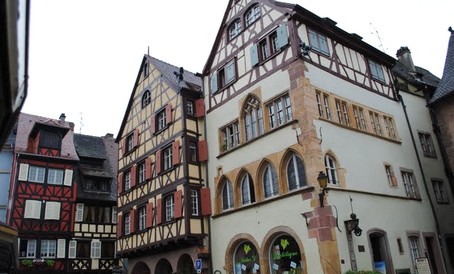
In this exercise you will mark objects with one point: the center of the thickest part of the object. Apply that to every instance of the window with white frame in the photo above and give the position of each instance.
(32, 209)
(146, 98)
(52, 210)
(253, 118)
(360, 122)
(195, 202)
(296, 174)
(142, 217)
(411, 188)
(79, 212)
(127, 180)
(36, 174)
(130, 142)
(318, 42)
(27, 248)
(127, 223)
(234, 29)
(439, 191)
(169, 207)
(230, 136)
(376, 71)
(55, 176)
(161, 119)
(415, 252)
(95, 250)
(141, 172)
(167, 158)
(252, 14)
(72, 249)
(270, 183)
(331, 169)
(279, 111)
(227, 195)
(190, 107)
(339, 112)
(326, 105)
(247, 189)
(375, 123)
(427, 144)
(48, 248)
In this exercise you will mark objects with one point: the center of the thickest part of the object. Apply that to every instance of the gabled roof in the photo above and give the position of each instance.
(446, 86)
(89, 146)
(171, 75)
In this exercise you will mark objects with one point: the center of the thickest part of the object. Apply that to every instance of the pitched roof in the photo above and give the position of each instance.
(89, 146)
(446, 86)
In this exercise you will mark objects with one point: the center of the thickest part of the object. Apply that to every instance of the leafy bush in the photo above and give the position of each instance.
(27, 263)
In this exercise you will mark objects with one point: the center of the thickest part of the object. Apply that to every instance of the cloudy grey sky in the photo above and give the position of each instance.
(85, 54)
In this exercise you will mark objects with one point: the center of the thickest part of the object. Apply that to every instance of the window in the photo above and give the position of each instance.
(253, 118)
(413, 241)
(145, 70)
(339, 112)
(142, 217)
(50, 139)
(190, 107)
(94, 213)
(193, 151)
(127, 180)
(146, 98)
(296, 175)
(55, 176)
(95, 250)
(227, 195)
(345, 113)
(127, 223)
(280, 111)
(252, 14)
(223, 77)
(141, 172)
(195, 202)
(359, 118)
(410, 184)
(161, 119)
(270, 184)
(169, 207)
(326, 105)
(79, 212)
(269, 45)
(114, 215)
(376, 71)
(48, 248)
(52, 211)
(389, 127)
(230, 136)
(90, 184)
(247, 189)
(167, 159)
(130, 142)
(392, 181)
(36, 174)
(439, 191)
(32, 209)
(375, 123)
(234, 29)
(83, 249)
(319, 104)
(246, 258)
(427, 144)
(331, 170)
(318, 42)
(27, 248)
(72, 249)
(108, 249)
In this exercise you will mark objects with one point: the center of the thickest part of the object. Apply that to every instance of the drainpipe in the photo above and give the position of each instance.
(437, 225)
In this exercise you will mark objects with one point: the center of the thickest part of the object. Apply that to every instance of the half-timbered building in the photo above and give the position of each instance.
(92, 249)
(43, 192)
(291, 98)
(163, 198)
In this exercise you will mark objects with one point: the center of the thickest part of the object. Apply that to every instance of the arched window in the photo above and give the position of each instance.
(331, 170)
(270, 184)
(285, 256)
(252, 14)
(234, 29)
(146, 98)
(227, 195)
(296, 174)
(247, 189)
(253, 118)
(246, 258)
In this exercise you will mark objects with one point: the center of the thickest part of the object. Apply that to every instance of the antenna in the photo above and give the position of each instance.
(375, 32)
(81, 123)
(148, 50)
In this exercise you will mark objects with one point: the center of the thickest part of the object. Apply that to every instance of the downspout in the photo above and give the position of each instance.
(437, 225)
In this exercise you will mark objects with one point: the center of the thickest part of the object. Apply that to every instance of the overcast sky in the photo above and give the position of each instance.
(85, 54)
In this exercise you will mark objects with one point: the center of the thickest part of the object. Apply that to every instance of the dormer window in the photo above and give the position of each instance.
(234, 29)
(50, 140)
(252, 15)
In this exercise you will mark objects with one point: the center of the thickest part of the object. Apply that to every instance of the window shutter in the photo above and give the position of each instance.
(72, 249)
(282, 36)
(95, 249)
(149, 220)
(254, 55)
(133, 175)
(120, 183)
(68, 177)
(168, 114)
(203, 150)
(23, 172)
(132, 220)
(148, 168)
(178, 208)
(136, 137)
(79, 212)
(120, 225)
(158, 161)
(199, 108)
(175, 152)
(152, 125)
(394, 180)
(32, 209)
(205, 197)
(123, 146)
(230, 71)
(52, 211)
(61, 248)
(159, 211)
(214, 82)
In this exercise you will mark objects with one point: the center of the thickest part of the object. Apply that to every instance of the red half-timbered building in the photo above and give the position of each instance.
(43, 192)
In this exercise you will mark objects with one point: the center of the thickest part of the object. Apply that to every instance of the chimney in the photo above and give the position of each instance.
(109, 135)
(404, 57)
(62, 118)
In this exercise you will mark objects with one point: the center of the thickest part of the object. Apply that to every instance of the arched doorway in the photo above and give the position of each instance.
(246, 258)
(141, 268)
(285, 255)
(379, 247)
(186, 265)
(163, 267)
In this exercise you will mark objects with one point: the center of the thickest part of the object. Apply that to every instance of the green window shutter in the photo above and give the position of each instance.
(254, 55)
(282, 36)
(230, 71)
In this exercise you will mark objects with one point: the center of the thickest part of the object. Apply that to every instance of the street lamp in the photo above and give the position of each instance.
(322, 182)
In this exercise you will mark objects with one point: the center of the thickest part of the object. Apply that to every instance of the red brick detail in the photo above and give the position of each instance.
(307, 196)
(325, 234)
